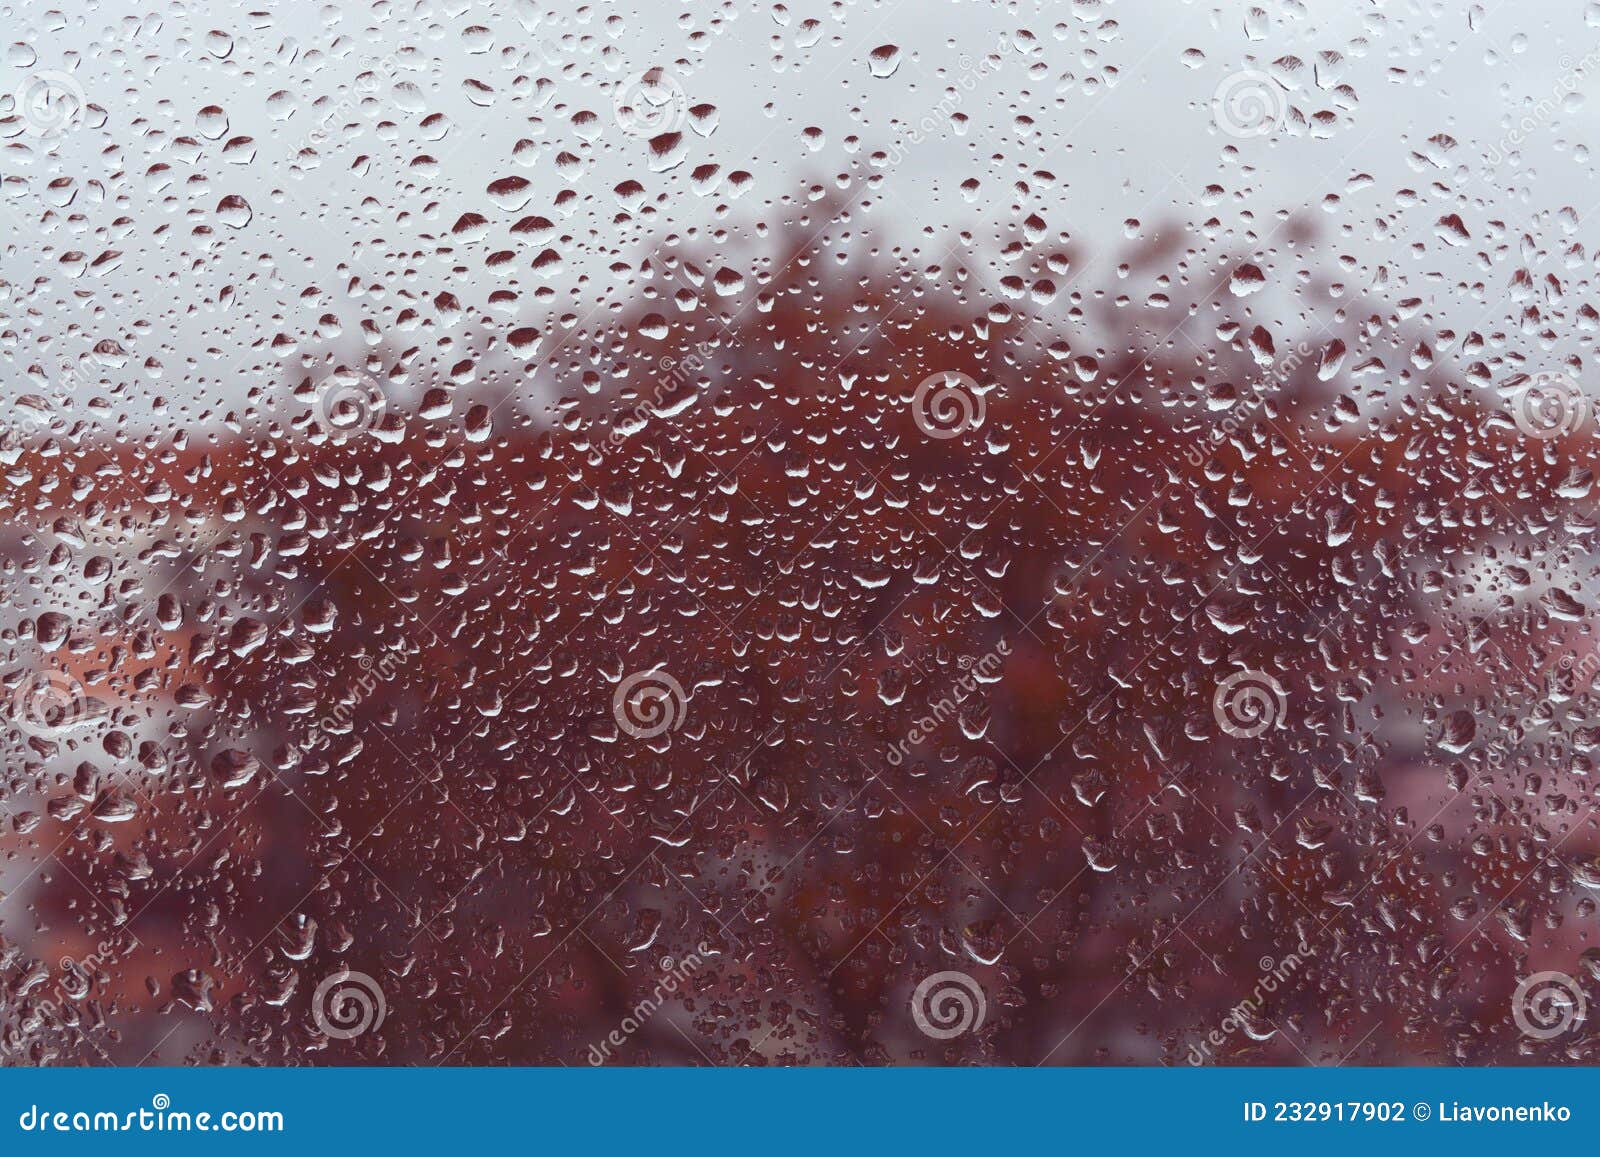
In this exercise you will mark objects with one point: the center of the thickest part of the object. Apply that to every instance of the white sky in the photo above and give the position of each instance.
(1115, 101)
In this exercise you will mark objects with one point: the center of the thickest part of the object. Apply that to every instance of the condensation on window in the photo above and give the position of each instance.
(796, 534)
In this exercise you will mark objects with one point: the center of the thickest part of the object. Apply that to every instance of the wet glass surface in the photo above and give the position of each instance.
(760, 534)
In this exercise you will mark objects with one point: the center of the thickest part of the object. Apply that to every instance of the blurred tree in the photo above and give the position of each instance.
(1115, 669)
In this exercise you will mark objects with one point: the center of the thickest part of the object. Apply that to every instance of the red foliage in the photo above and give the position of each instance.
(388, 707)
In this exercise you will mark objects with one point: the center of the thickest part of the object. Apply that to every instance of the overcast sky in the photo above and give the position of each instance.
(235, 200)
